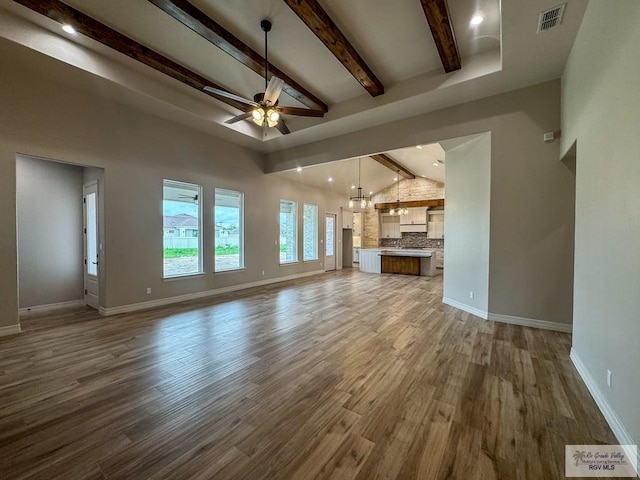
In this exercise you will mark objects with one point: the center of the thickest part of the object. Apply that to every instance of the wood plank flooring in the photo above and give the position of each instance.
(344, 375)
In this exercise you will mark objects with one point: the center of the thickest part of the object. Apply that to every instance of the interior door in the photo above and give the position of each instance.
(330, 241)
(91, 250)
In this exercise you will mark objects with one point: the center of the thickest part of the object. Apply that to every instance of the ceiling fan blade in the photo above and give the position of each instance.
(301, 112)
(282, 127)
(273, 90)
(232, 96)
(242, 116)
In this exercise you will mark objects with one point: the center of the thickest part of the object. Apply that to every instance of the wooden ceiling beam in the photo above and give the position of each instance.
(438, 202)
(391, 164)
(439, 20)
(317, 19)
(193, 18)
(60, 12)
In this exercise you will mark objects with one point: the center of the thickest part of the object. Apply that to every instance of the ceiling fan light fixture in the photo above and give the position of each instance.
(272, 117)
(258, 116)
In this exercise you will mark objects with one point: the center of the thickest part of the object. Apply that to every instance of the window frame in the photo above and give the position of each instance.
(315, 234)
(241, 242)
(166, 182)
(295, 233)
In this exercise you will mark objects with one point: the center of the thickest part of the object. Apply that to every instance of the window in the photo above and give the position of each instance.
(181, 224)
(288, 231)
(229, 230)
(309, 232)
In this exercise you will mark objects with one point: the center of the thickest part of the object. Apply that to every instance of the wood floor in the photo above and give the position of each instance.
(345, 375)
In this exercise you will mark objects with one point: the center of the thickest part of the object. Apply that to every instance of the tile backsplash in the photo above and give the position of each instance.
(413, 240)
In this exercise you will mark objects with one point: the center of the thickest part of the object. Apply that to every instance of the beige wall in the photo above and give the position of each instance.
(410, 189)
(601, 115)
(468, 178)
(532, 193)
(44, 118)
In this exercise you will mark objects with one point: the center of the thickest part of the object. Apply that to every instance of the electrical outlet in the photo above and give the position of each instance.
(471, 294)
(609, 375)
(263, 273)
(148, 290)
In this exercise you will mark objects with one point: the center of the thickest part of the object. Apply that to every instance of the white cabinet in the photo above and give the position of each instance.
(347, 219)
(414, 216)
(435, 227)
(357, 224)
(415, 220)
(413, 228)
(390, 226)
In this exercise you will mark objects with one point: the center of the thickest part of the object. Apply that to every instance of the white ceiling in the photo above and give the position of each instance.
(373, 176)
(503, 53)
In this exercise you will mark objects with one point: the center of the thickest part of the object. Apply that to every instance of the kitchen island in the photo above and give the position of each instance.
(398, 260)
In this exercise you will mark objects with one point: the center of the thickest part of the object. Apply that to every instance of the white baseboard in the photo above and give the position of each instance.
(462, 306)
(9, 330)
(610, 416)
(531, 322)
(50, 306)
(194, 296)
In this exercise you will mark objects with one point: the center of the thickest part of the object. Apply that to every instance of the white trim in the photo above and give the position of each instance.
(462, 306)
(193, 296)
(9, 330)
(51, 306)
(605, 407)
(531, 322)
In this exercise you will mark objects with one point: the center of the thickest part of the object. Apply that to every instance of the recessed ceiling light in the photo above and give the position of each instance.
(370, 193)
(436, 164)
(419, 147)
(299, 169)
(476, 20)
(330, 179)
(423, 176)
(352, 187)
(395, 179)
(69, 29)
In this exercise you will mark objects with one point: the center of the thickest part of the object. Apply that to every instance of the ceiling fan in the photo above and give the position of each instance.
(266, 111)
(193, 198)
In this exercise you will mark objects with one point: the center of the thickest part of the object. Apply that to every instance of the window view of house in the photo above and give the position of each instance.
(309, 232)
(288, 231)
(181, 228)
(229, 230)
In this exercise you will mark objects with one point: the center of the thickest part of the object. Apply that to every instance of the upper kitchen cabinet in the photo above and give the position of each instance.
(390, 226)
(435, 227)
(347, 219)
(415, 220)
(414, 216)
(357, 224)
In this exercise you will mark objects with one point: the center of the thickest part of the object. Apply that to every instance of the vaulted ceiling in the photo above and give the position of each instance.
(356, 63)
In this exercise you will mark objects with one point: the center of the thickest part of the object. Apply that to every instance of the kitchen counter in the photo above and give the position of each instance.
(371, 259)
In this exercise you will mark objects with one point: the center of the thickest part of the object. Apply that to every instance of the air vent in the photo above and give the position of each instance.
(551, 18)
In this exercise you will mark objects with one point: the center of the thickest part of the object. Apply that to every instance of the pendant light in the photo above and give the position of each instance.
(363, 200)
(398, 210)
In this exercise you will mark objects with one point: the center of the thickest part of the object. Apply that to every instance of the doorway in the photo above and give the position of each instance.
(91, 244)
(330, 241)
(57, 231)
